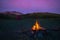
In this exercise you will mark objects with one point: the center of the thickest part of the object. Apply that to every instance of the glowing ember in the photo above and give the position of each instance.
(37, 26)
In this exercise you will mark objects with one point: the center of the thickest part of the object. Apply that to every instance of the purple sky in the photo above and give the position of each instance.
(27, 6)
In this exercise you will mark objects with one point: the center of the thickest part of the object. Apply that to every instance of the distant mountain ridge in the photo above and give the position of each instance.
(11, 12)
(43, 14)
(14, 14)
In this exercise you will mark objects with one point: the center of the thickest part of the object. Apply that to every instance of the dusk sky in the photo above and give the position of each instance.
(28, 6)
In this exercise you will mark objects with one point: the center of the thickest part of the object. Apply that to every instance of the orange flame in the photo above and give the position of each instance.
(36, 26)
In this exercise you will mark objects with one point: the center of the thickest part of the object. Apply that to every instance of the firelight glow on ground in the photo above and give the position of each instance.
(28, 6)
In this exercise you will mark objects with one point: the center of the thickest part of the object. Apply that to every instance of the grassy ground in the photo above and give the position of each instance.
(9, 29)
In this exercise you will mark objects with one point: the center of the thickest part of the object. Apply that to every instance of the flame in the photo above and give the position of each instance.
(36, 26)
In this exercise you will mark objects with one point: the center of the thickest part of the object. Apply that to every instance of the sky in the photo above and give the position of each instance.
(28, 6)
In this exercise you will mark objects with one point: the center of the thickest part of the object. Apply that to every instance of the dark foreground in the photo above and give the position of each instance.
(13, 29)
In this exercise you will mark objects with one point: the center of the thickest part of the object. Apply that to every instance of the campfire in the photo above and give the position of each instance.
(37, 27)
